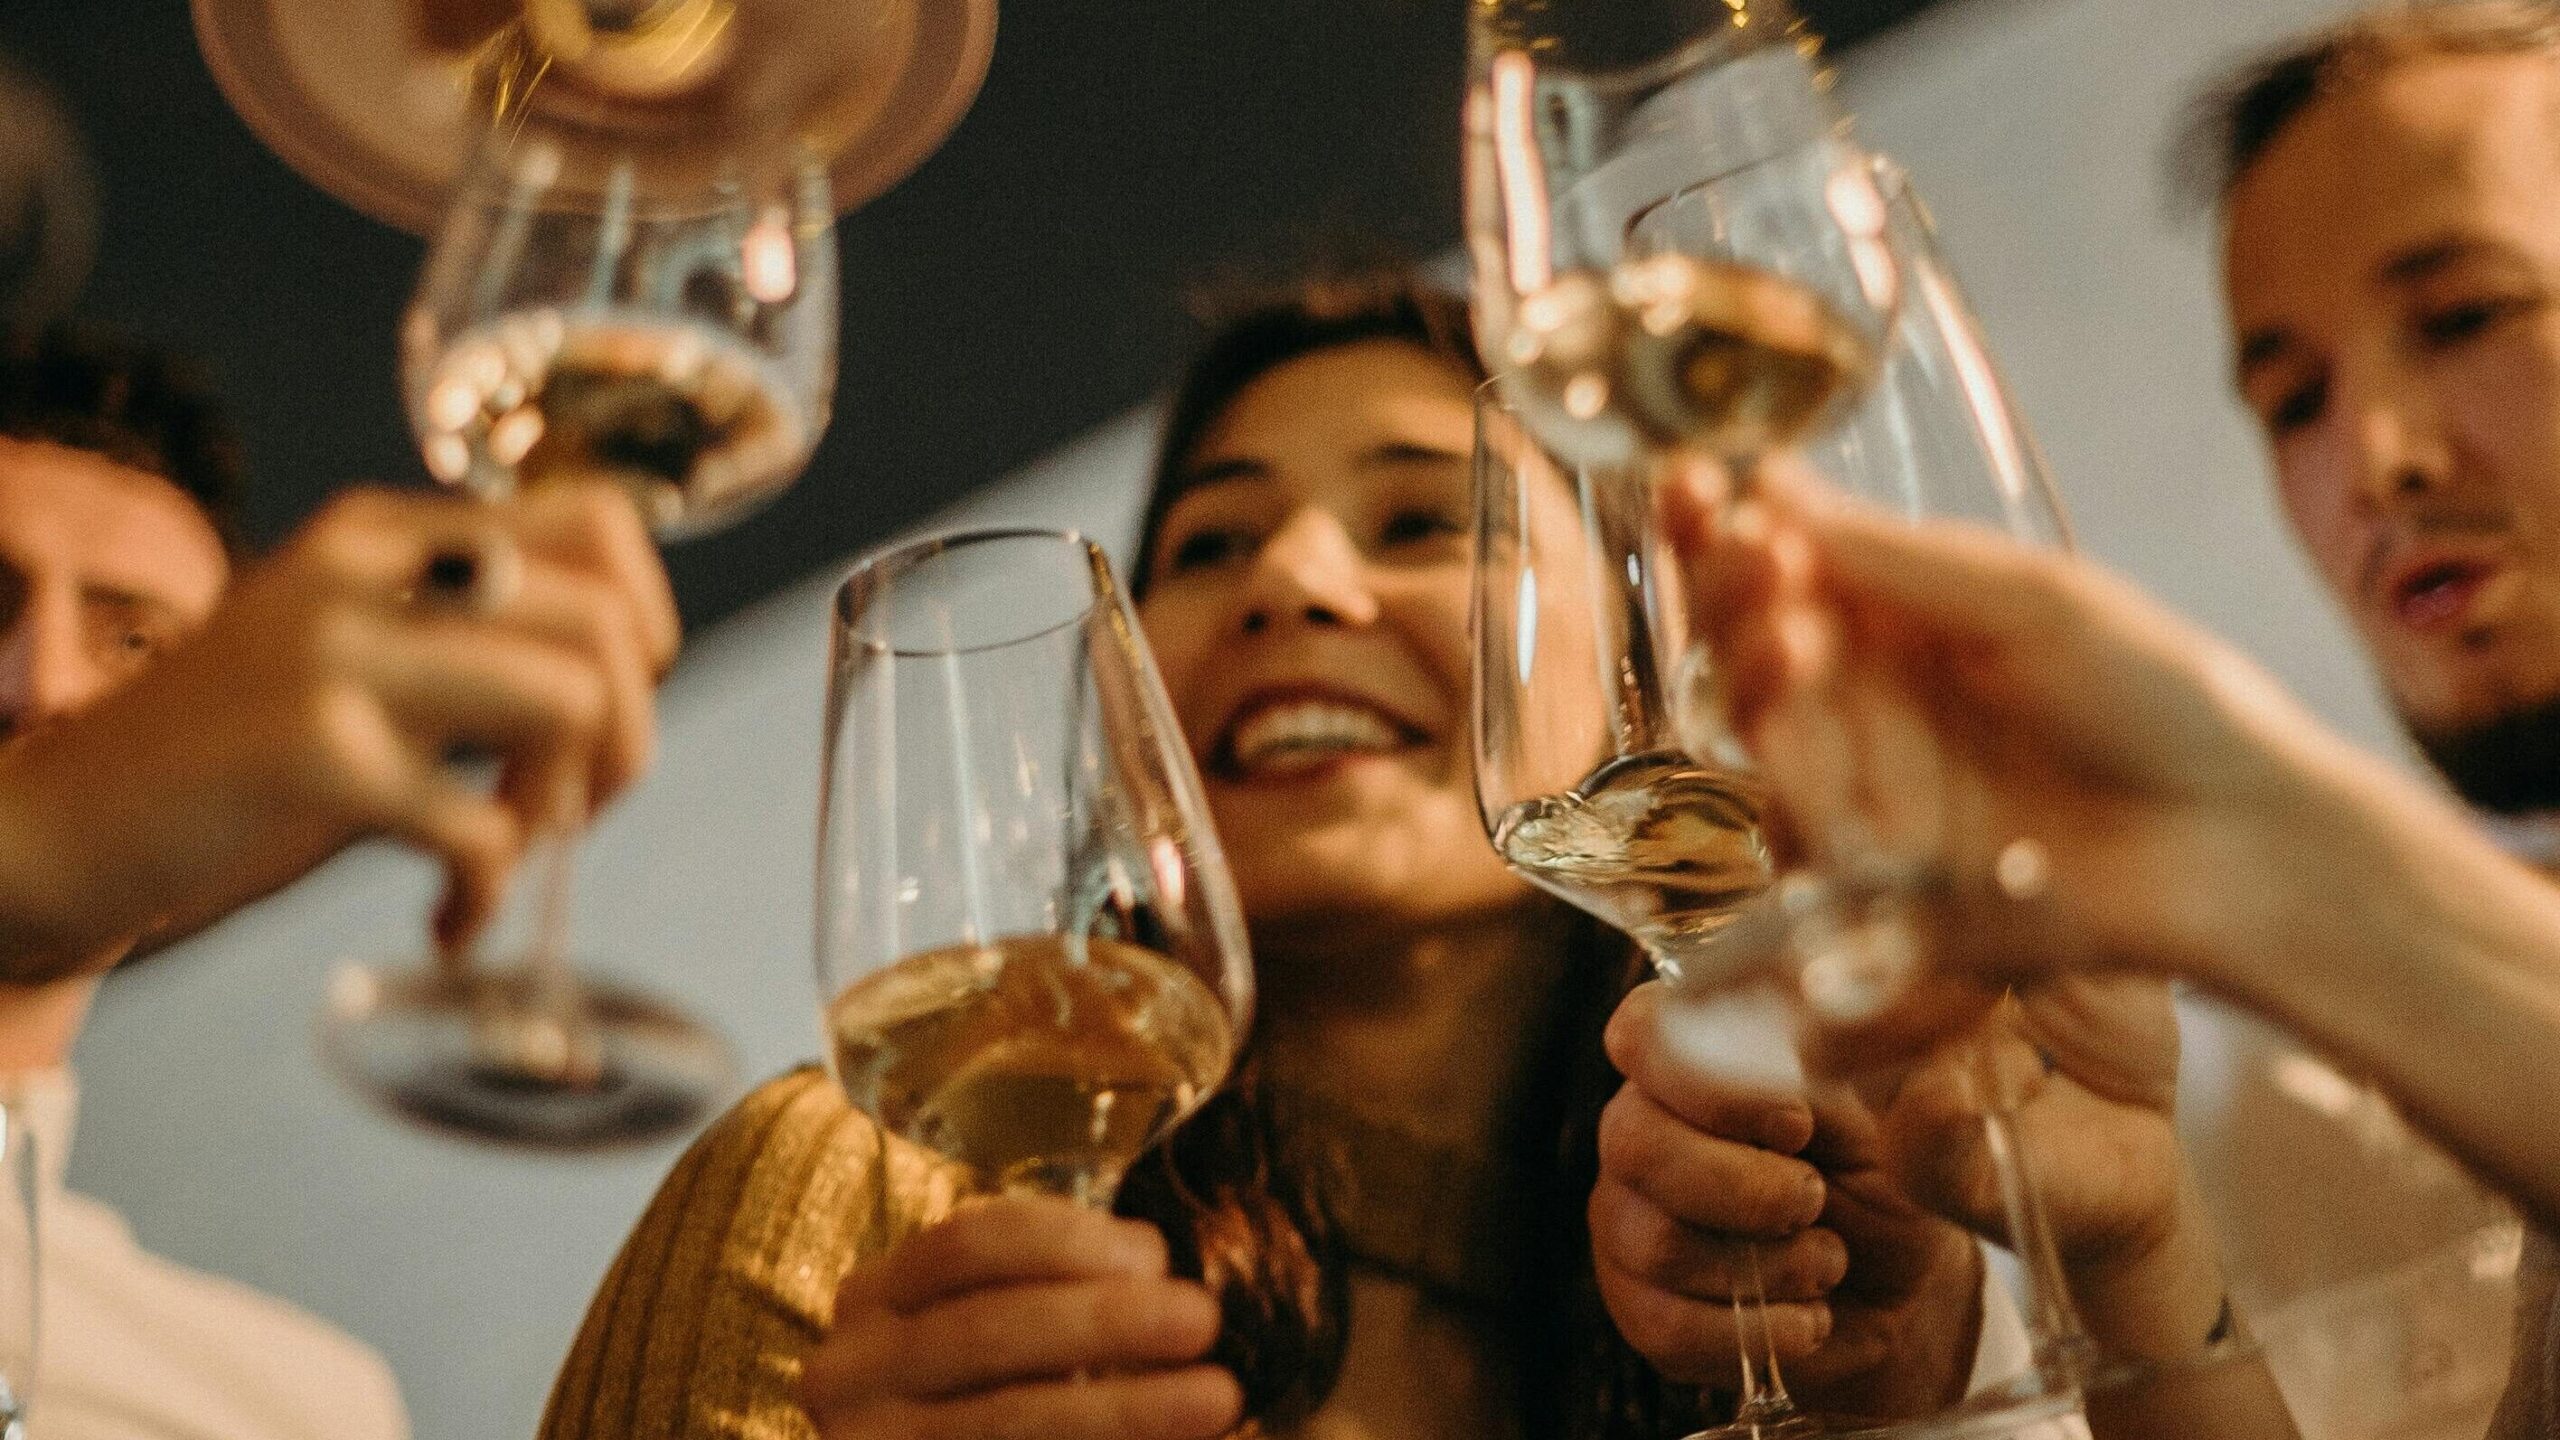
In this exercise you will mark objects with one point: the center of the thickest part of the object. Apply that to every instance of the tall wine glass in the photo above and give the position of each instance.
(1600, 139)
(1030, 955)
(1584, 786)
(681, 341)
(1938, 438)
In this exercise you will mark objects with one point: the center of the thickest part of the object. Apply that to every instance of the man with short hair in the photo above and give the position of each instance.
(2389, 191)
(2390, 196)
(174, 745)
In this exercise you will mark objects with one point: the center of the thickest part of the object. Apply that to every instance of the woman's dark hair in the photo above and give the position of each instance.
(138, 407)
(1242, 1191)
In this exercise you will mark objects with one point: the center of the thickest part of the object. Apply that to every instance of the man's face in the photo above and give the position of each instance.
(100, 566)
(2393, 263)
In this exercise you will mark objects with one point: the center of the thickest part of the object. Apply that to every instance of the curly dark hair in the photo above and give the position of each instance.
(1244, 1190)
(136, 406)
(2234, 122)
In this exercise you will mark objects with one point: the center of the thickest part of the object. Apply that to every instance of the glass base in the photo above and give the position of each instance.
(1991, 1415)
(475, 1053)
(1793, 1426)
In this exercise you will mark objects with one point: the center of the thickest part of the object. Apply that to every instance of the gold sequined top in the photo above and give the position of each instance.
(730, 1277)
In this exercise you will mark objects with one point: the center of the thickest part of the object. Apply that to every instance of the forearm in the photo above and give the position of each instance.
(2164, 1300)
(2425, 960)
(2236, 1399)
(2173, 1363)
(93, 853)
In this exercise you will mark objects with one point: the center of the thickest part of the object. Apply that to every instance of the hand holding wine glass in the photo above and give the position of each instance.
(1872, 1300)
(680, 343)
(1021, 1315)
(317, 705)
(2017, 669)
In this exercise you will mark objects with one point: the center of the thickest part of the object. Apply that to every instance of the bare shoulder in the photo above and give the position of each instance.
(729, 1278)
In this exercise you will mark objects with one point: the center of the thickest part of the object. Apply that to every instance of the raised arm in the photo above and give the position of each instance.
(321, 704)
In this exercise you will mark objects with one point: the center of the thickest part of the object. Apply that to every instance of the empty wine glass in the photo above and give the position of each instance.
(1030, 955)
(679, 340)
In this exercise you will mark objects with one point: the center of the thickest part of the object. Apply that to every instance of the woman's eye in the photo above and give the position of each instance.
(1203, 548)
(1410, 527)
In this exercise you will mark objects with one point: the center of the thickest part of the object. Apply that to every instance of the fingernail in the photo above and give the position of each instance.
(1816, 1194)
(1790, 553)
(1805, 642)
(1211, 1405)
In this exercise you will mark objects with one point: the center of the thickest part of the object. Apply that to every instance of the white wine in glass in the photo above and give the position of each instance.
(699, 426)
(1030, 956)
(1037, 1063)
(1655, 843)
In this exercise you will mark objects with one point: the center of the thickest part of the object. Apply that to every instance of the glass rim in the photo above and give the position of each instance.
(501, 166)
(1486, 40)
(875, 572)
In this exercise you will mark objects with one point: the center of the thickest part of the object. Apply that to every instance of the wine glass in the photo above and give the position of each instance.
(1938, 437)
(1584, 786)
(678, 339)
(1030, 955)
(1602, 142)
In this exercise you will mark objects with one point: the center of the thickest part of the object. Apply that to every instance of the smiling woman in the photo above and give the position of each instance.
(1305, 586)
(1418, 1099)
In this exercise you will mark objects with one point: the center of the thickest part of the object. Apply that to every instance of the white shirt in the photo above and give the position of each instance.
(135, 1347)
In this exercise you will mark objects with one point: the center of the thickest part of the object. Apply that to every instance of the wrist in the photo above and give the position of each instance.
(2163, 1298)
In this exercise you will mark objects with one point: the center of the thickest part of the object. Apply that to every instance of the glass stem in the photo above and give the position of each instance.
(2061, 1345)
(554, 1039)
(546, 959)
(1764, 1397)
(22, 1292)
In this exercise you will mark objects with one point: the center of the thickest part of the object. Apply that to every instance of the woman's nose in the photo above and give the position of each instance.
(1308, 573)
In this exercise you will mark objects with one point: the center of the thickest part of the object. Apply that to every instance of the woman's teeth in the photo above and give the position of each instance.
(1305, 733)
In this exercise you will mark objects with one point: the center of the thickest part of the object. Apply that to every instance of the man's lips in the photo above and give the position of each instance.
(2438, 594)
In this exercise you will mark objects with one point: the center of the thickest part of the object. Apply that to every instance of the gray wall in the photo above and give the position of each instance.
(2034, 129)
